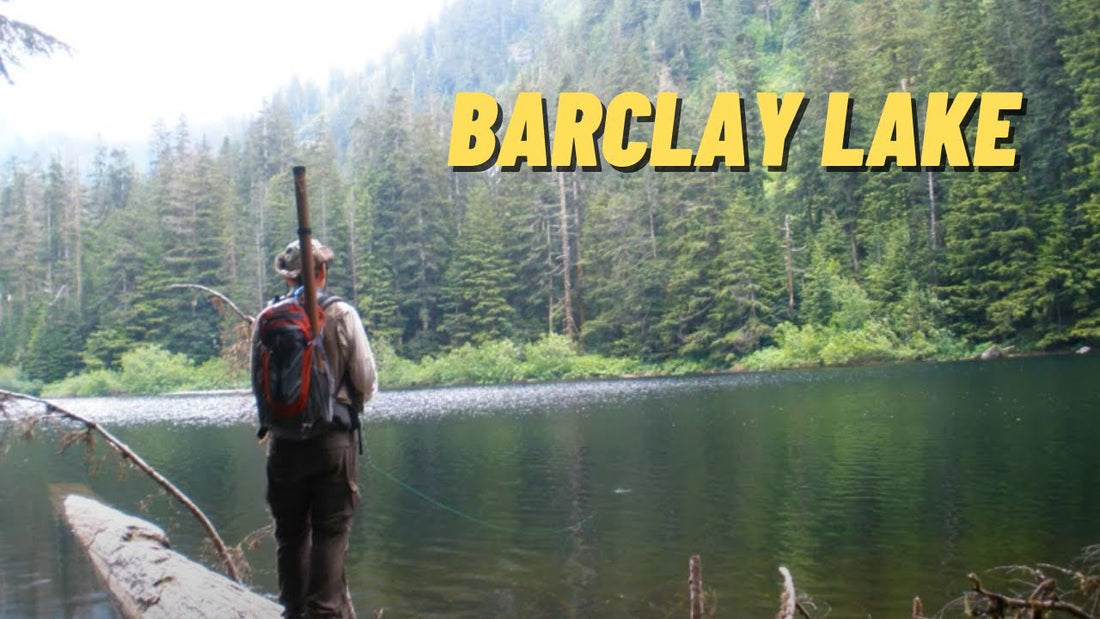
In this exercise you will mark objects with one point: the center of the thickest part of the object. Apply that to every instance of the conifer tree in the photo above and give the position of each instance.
(626, 271)
(480, 282)
(1080, 47)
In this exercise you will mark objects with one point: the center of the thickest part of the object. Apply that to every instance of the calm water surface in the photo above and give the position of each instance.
(586, 499)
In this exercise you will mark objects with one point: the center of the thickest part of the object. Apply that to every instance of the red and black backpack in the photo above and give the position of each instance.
(295, 391)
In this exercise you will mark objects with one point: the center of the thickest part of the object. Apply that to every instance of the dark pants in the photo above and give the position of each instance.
(312, 490)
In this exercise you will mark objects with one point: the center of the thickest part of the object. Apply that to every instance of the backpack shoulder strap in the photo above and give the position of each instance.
(327, 299)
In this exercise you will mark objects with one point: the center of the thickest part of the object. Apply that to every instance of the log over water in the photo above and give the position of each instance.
(145, 578)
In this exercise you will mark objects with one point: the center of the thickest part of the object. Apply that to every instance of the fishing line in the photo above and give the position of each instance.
(474, 519)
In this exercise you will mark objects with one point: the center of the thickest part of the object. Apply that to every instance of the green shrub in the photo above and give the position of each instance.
(873, 341)
(395, 371)
(493, 362)
(95, 383)
(771, 358)
(551, 357)
(12, 379)
(149, 370)
(801, 345)
(679, 367)
(598, 366)
(217, 373)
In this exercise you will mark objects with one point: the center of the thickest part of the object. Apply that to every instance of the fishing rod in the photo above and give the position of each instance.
(305, 240)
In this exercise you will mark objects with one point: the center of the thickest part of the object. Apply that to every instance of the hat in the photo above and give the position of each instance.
(289, 262)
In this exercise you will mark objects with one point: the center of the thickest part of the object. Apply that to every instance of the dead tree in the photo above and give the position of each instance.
(90, 427)
(1043, 598)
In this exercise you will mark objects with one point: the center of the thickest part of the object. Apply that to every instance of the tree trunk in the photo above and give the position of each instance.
(789, 261)
(577, 228)
(353, 257)
(932, 209)
(549, 279)
(259, 196)
(855, 252)
(422, 270)
(145, 578)
(931, 191)
(650, 199)
(570, 325)
(78, 268)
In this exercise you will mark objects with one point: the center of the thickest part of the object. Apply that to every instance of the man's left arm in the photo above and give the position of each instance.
(360, 367)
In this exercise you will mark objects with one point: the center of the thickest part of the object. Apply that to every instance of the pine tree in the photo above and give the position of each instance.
(532, 201)
(748, 291)
(51, 353)
(480, 282)
(1081, 50)
(988, 258)
(625, 268)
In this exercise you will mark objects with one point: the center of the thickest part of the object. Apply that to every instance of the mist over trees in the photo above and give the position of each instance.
(704, 266)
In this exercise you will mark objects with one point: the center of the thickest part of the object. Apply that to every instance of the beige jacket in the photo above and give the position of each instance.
(349, 355)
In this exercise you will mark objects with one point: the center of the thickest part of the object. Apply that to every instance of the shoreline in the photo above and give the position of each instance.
(702, 373)
(670, 372)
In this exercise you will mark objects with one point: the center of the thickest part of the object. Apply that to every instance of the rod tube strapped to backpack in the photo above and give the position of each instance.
(305, 242)
(295, 387)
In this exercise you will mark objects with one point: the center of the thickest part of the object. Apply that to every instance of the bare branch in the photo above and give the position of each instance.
(215, 293)
(126, 453)
(1032, 604)
(18, 39)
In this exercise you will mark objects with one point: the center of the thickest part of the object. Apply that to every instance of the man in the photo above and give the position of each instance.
(312, 479)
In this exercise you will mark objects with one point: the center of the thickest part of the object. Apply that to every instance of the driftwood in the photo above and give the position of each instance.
(788, 600)
(1043, 598)
(145, 577)
(123, 450)
(695, 586)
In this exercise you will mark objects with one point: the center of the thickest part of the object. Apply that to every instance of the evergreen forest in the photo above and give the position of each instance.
(701, 270)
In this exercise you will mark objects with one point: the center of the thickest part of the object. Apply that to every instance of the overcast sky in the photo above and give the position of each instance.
(135, 61)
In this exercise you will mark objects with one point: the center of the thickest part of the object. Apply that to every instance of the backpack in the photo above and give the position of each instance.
(295, 390)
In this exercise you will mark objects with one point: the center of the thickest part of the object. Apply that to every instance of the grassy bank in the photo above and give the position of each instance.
(553, 357)
(872, 342)
(152, 370)
(149, 370)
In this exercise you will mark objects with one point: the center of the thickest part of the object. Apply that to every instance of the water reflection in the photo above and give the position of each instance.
(871, 484)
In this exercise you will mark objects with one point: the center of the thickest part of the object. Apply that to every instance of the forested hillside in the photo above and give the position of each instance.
(706, 266)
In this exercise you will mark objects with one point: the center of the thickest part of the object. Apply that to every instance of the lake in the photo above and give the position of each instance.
(872, 485)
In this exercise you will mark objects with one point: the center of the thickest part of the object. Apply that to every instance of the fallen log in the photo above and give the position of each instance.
(145, 578)
(124, 450)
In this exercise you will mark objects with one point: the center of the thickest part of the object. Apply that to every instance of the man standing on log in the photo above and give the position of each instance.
(312, 470)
